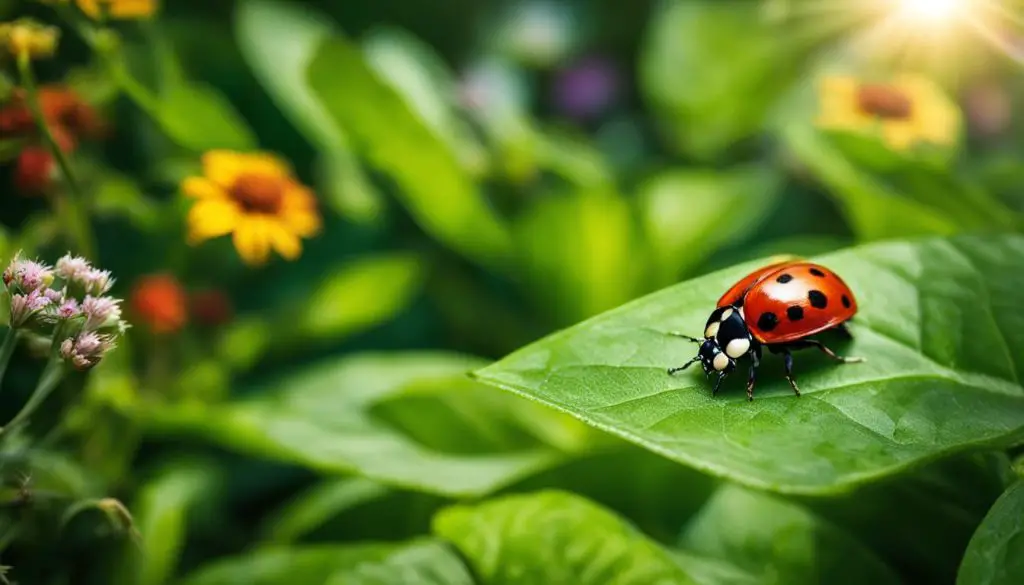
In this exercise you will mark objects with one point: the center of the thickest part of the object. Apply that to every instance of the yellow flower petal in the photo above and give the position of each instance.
(284, 241)
(118, 8)
(252, 240)
(209, 218)
(202, 188)
(224, 166)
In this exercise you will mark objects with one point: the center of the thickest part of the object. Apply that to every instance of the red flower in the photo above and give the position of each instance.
(211, 307)
(159, 301)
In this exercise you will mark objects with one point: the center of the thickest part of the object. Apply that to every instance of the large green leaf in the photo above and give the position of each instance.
(319, 504)
(995, 555)
(712, 70)
(425, 562)
(940, 325)
(278, 40)
(200, 118)
(307, 565)
(558, 537)
(432, 185)
(687, 214)
(324, 418)
(780, 541)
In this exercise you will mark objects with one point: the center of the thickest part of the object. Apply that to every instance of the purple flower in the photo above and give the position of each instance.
(101, 312)
(587, 88)
(72, 268)
(86, 350)
(97, 282)
(27, 275)
(26, 306)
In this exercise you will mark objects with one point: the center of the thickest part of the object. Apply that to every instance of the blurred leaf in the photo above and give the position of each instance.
(688, 214)
(927, 326)
(574, 159)
(439, 195)
(995, 555)
(779, 541)
(278, 41)
(556, 537)
(317, 505)
(419, 563)
(418, 74)
(363, 293)
(306, 565)
(321, 419)
(594, 266)
(929, 514)
(200, 118)
(119, 195)
(708, 106)
(161, 510)
(875, 211)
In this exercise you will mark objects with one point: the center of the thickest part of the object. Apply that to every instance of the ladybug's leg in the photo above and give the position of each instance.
(826, 351)
(684, 366)
(718, 383)
(755, 362)
(788, 359)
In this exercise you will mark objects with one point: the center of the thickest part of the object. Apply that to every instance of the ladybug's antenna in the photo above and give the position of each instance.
(685, 336)
(684, 366)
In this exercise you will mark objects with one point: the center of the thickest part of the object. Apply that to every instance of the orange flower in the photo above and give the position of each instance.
(120, 9)
(255, 198)
(60, 107)
(159, 301)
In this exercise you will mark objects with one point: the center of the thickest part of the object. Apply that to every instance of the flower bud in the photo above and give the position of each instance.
(28, 37)
(86, 350)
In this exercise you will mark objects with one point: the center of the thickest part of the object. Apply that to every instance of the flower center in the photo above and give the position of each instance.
(258, 194)
(884, 101)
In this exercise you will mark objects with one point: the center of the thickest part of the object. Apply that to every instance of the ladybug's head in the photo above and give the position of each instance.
(713, 359)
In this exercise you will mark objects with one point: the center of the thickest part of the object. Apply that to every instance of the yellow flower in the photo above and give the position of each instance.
(26, 36)
(905, 111)
(121, 9)
(254, 197)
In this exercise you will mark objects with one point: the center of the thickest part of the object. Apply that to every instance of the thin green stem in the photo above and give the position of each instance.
(7, 349)
(48, 382)
(79, 222)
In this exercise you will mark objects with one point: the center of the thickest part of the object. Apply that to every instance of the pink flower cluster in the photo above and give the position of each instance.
(67, 302)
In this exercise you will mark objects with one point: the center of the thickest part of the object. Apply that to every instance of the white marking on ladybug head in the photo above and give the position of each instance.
(740, 311)
(737, 347)
(720, 362)
(726, 314)
(712, 330)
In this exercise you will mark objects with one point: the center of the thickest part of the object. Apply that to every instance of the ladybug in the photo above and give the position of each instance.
(779, 306)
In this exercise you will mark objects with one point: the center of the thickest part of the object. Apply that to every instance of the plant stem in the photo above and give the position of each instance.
(79, 223)
(48, 382)
(6, 350)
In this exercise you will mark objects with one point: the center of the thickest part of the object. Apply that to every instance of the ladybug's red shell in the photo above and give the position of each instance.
(791, 300)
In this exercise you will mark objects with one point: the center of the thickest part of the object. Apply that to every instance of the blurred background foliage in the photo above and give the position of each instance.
(486, 173)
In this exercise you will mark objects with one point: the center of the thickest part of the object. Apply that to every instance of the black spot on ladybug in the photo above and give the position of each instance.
(767, 321)
(795, 313)
(817, 272)
(846, 301)
(818, 299)
(783, 279)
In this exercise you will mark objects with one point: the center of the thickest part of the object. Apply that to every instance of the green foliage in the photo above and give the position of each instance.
(996, 553)
(927, 359)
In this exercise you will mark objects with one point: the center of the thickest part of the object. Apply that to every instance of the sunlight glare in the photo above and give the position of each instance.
(934, 10)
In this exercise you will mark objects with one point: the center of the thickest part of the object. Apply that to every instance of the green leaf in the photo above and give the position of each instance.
(556, 537)
(307, 565)
(995, 555)
(161, 509)
(425, 562)
(420, 76)
(200, 118)
(278, 41)
(707, 107)
(940, 325)
(688, 214)
(432, 185)
(780, 541)
(118, 195)
(323, 418)
(319, 504)
(579, 272)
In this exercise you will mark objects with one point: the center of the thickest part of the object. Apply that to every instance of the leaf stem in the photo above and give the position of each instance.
(48, 382)
(79, 223)
(7, 349)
